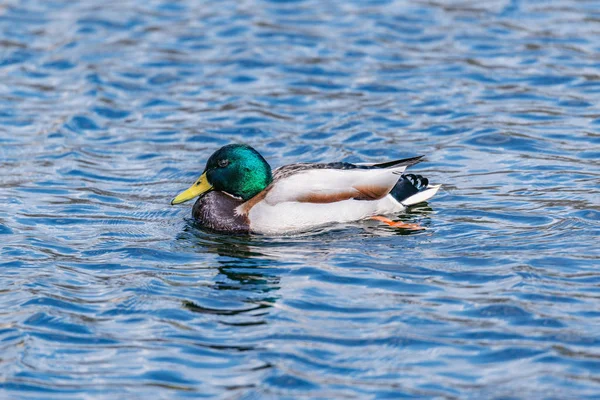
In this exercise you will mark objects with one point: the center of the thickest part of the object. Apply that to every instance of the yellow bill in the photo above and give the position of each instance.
(199, 187)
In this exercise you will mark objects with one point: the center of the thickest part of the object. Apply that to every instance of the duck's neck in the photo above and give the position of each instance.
(256, 179)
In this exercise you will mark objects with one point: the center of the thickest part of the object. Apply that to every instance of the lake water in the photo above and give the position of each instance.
(108, 109)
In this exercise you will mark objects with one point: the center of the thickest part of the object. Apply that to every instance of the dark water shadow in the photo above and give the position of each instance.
(243, 268)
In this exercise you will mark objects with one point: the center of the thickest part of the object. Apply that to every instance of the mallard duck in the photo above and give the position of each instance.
(239, 193)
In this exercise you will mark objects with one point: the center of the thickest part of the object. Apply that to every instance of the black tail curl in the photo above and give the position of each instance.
(409, 185)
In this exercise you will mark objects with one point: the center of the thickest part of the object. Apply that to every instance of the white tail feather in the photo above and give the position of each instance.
(422, 196)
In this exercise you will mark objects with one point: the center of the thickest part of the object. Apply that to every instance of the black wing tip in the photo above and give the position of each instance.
(399, 163)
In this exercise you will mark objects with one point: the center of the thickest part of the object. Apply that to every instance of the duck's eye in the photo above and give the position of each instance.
(223, 163)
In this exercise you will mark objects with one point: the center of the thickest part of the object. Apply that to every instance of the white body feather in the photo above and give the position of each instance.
(332, 181)
(280, 212)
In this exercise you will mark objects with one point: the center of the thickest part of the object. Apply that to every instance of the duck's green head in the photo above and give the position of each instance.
(236, 169)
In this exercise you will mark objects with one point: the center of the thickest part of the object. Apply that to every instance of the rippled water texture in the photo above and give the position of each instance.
(108, 109)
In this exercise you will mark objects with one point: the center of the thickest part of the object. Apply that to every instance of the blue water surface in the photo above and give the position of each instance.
(108, 109)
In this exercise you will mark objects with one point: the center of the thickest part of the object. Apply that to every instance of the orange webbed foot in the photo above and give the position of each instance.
(398, 224)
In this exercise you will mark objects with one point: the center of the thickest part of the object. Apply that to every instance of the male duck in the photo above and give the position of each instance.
(239, 193)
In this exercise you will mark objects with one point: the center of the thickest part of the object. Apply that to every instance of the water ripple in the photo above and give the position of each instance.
(107, 111)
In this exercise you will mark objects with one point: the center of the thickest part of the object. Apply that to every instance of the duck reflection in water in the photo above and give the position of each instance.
(242, 268)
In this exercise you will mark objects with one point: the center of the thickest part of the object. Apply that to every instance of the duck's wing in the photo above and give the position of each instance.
(332, 182)
(288, 170)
